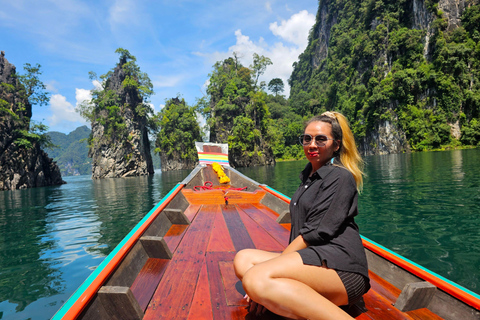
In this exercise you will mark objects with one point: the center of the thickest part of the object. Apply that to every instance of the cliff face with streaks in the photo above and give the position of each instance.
(119, 145)
(23, 164)
(405, 72)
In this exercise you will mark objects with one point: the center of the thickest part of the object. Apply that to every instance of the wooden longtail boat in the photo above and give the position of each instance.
(177, 263)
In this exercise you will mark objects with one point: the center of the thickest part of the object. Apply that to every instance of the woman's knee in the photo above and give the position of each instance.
(242, 262)
(256, 282)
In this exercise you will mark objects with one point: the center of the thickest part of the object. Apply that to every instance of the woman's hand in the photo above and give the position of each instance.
(254, 307)
(297, 244)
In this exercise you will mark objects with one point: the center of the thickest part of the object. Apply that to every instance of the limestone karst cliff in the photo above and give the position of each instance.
(179, 130)
(119, 145)
(405, 73)
(23, 164)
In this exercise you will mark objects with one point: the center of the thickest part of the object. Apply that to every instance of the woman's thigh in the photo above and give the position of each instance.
(290, 266)
(247, 258)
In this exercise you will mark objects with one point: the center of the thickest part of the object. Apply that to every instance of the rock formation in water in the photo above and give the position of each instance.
(119, 145)
(404, 73)
(179, 130)
(238, 114)
(22, 165)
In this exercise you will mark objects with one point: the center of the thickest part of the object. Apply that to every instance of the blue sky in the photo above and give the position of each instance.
(175, 42)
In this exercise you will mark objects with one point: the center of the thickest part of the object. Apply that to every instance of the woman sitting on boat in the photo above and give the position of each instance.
(324, 266)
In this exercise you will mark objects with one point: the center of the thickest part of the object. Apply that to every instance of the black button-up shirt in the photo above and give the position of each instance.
(322, 211)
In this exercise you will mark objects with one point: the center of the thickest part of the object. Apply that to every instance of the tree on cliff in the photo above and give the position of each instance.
(276, 86)
(32, 90)
(109, 102)
(179, 130)
(34, 87)
(236, 110)
(121, 118)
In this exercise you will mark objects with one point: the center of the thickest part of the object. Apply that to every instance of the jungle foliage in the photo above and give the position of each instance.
(31, 91)
(379, 68)
(236, 106)
(109, 103)
(179, 129)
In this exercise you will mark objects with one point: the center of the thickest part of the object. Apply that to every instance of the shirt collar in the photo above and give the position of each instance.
(320, 173)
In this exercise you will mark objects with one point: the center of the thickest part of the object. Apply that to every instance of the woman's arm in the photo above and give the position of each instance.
(297, 244)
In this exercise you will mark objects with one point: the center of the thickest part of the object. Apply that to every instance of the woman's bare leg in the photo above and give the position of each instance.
(287, 287)
(247, 258)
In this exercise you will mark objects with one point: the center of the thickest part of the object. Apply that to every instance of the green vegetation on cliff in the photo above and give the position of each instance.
(179, 129)
(121, 118)
(71, 151)
(109, 103)
(236, 109)
(30, 90)
(378, 66)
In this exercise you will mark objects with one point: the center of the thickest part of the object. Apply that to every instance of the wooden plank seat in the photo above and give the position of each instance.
(380, 300)
(147, 281)
(133, 300)
(150, 275)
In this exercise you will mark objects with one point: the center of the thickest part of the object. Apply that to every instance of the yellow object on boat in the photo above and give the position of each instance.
(220, 173)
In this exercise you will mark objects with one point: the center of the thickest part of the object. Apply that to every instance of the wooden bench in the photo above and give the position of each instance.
(147, 281)
(380, 300)
(132, 302)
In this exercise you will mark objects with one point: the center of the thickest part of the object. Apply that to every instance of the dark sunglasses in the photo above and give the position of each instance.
(320, 140)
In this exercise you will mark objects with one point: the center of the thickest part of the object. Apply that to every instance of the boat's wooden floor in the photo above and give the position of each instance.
(199, 281)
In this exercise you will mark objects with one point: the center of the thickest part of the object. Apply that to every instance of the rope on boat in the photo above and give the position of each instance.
(208, 185)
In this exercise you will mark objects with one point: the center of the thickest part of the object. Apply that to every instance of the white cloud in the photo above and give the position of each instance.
(295, 29)
(82, 95)
(294, 39)
(97, 85)
(63, 111)
(268, 6)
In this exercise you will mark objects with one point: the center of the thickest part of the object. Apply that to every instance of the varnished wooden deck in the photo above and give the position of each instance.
(199, 281)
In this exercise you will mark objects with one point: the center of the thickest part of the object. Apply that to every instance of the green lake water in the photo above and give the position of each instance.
(425, 206)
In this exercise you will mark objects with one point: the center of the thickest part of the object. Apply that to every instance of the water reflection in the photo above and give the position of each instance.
(52, 238)
(26, 272)
(119, 203)
(457, 163)
(426, 208)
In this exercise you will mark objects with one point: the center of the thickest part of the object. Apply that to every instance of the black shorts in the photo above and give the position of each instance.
(355, 284)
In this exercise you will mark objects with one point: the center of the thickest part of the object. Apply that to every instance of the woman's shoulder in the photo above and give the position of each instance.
(340, 173)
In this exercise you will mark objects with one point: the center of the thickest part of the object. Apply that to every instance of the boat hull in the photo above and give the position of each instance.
(178, 262)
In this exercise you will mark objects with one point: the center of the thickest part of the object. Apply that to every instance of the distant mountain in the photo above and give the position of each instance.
(72, 152)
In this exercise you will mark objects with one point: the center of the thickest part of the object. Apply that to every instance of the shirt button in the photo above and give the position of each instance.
(294, 203)
(306, 187)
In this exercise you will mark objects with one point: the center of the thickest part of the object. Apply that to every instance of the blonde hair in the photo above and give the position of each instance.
(347, 153)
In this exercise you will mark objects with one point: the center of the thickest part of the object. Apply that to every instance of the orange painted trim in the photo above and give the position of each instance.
(93, 288)
(275, 193)
(424, 274)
